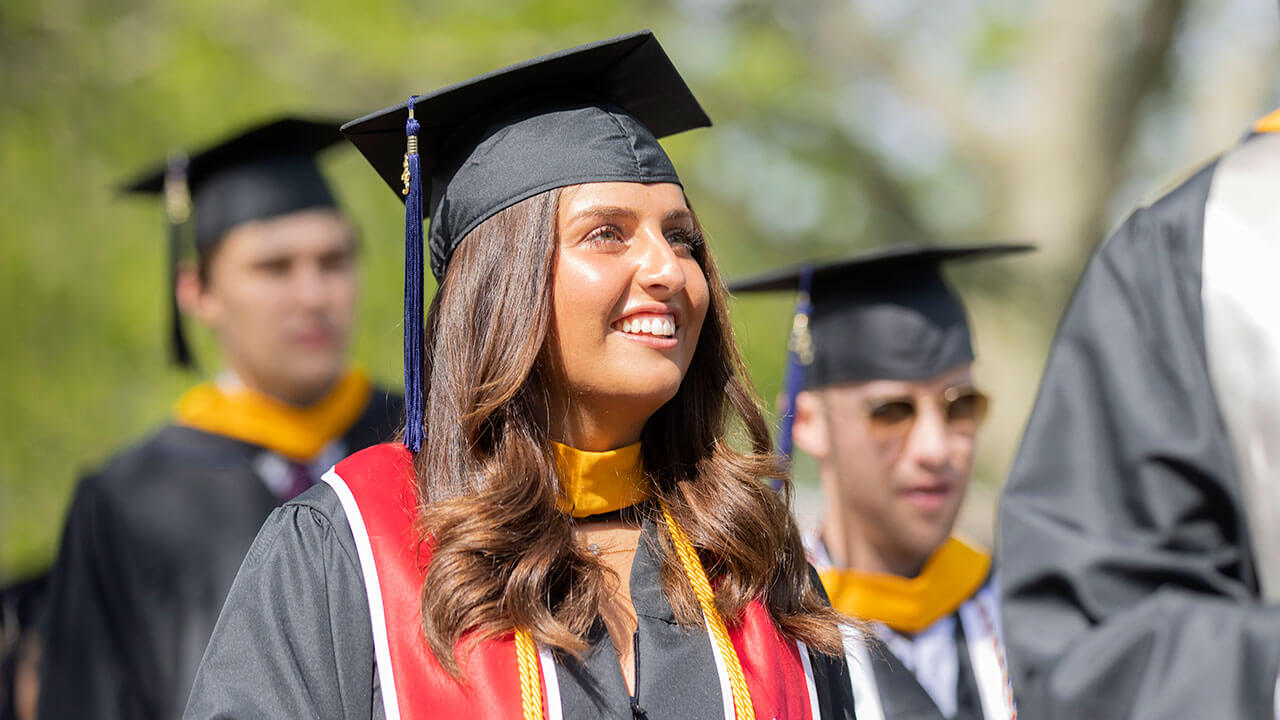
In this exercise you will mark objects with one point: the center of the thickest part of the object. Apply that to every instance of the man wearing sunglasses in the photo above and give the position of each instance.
(887, 404)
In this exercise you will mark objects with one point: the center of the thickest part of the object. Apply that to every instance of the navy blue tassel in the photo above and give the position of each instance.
(414, 392)
(799, 356)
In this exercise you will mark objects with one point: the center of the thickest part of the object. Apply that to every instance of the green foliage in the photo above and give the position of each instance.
(816, 152)
(99, 90)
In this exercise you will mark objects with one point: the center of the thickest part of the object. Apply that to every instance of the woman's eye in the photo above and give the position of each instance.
(606, 235)
(684, 239)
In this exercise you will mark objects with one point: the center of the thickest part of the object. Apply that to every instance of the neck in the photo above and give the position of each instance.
(594, 428)
(233, 378)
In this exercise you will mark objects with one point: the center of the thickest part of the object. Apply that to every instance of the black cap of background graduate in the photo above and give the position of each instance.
(262, 172)
(461, 154)
(884, 315)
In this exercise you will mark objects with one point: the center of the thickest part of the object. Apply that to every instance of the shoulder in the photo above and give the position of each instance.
(378, 475)
(1168, 233)
(376, 462)
(312, 524)
(377, 491)
(170, 484)
(171, 449)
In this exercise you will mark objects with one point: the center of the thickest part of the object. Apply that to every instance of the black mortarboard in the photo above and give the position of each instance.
(884, 315)
(265, 171)
(588, 114)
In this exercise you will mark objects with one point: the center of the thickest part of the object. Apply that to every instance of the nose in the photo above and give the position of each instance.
(929, 441)
(309, 285)
(659, 270)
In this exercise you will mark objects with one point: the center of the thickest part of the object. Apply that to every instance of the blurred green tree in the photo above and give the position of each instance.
(840, 126)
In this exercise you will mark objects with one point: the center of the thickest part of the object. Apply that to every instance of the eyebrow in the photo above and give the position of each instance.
(629, 214)
(605, 212)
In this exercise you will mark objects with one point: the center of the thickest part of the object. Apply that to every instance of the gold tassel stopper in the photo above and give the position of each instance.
(801, 342)
(177, 195)
(411, 149)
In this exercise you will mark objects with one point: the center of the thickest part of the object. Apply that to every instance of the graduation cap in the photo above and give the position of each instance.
(461, 154)
(884, 315)
(262, 172)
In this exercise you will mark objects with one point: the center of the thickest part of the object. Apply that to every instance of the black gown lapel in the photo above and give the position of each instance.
(901, 695)
(592, 687)
(675, 669)
(968, 699)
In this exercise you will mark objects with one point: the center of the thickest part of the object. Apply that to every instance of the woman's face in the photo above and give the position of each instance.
(628, 304)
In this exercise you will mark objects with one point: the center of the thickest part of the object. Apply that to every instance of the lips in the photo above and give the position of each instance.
(928, 496)
(315, 337)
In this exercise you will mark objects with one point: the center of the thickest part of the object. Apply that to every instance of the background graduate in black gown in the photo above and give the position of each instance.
(153, 540)
(1139, 526)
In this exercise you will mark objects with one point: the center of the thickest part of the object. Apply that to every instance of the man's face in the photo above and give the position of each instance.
(280, 295)
(900, 454)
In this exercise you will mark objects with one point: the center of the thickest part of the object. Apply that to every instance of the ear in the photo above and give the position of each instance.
(809, 431)
(194, 297)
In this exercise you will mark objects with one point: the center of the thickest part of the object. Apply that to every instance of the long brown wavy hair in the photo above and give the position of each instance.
(503, 553)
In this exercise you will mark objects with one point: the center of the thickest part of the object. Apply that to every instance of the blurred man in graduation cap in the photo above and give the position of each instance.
(1140, 528)
(880, 391)
(153, 540)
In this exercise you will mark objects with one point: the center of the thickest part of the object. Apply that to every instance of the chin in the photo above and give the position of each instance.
(658, 387)
(928, 542)
(313, 382)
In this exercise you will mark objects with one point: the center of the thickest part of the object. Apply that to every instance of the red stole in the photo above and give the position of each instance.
(376, 487)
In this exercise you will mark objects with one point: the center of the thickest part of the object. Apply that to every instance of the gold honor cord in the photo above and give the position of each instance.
(527, 653)
(530, 687)
(702, 588)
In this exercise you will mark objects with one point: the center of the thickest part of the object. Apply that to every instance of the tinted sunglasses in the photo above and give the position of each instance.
(963, 409)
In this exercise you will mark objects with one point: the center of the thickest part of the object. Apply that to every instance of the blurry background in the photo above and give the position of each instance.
(839, 126)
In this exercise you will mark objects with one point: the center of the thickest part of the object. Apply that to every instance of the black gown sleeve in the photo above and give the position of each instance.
(294, 637)
(1129, 588)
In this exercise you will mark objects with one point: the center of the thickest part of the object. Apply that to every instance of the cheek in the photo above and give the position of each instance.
(962, 451)
(868, 465)
(583, 299)
(699, 295)
(254, 307)
(344, 292)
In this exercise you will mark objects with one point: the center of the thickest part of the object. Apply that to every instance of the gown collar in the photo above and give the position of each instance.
(297, 433)
(951, 576)
(600, 482)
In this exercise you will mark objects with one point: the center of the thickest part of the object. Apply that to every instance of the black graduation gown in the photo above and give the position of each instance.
(295, 639)
(149, 550)
(1130, 582)
(902, 697)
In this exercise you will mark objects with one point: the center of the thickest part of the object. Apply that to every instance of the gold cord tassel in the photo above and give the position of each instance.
(702, 588)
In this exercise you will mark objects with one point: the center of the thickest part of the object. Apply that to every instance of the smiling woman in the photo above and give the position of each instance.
(568, 530)
(629, 303)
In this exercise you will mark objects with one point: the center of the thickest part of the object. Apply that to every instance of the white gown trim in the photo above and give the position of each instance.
(862, 679)
(1240, 293)
(377, 614)
(555, 711)
(980, 618)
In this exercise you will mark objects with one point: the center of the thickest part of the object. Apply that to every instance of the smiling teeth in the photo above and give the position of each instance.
(650, 326)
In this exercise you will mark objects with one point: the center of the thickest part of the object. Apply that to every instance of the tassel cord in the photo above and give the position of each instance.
(413, 302)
